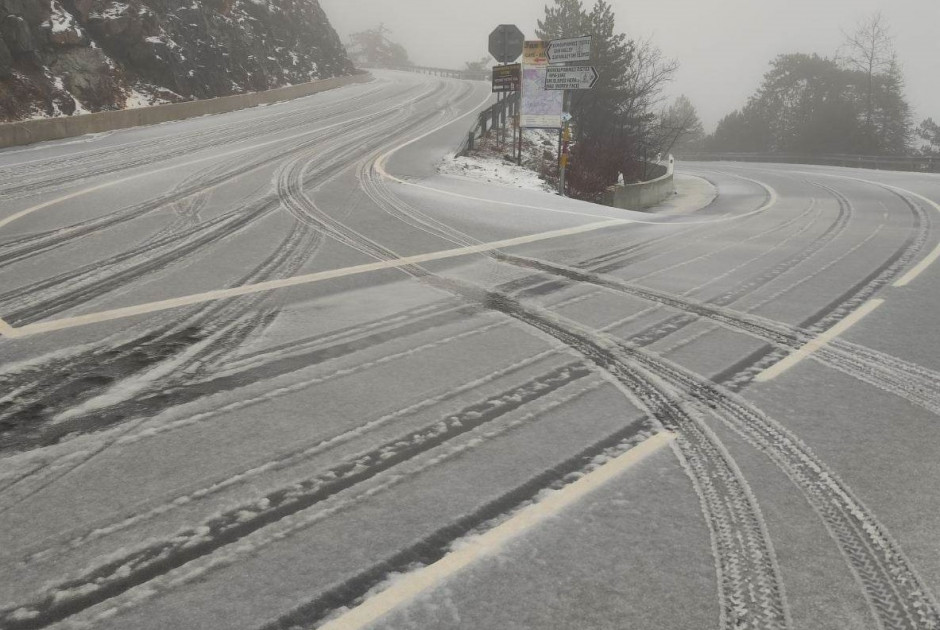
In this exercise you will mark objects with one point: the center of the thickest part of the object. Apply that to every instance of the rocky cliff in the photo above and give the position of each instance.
(62, 57)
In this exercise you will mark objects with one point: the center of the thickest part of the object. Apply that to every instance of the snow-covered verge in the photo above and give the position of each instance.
(67, 57)
(495, 170)
(493, 163)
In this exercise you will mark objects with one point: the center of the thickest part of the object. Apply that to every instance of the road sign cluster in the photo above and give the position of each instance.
(507, 43)
(543, 73)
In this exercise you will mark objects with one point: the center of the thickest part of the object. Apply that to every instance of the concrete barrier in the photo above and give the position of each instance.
(41, 130)
(644, 194)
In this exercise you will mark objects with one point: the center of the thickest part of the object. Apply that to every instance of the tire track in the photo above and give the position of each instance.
(25, 247)
(36, 409)
(144, 564)
(745, 554)
(898, 597)
(750, 591)
(58, 172)
(283, 461)
(436, 543)
(914, 383)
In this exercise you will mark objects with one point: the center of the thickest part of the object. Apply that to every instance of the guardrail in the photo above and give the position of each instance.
(499, 114)
(917, 163)
(437, 72)
(41, 130)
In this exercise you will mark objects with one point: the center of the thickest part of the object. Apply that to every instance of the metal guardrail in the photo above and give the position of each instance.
(915, 163)
(437, 72)
(498, 115)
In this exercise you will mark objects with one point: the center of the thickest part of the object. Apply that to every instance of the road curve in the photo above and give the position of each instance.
(269, 369)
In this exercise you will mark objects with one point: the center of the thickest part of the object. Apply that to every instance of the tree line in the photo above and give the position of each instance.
(852, 103)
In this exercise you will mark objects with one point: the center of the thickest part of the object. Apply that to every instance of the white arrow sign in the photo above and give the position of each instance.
(569, 50)
(570, 78)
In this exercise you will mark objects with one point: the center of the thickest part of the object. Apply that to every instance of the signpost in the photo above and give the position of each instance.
(569, 50)
(507, 78)
(506, 46)
(570, 78)
(506, 43)
(560, 77)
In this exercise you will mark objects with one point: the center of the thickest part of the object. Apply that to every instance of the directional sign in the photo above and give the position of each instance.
(507, 78)
(570, 78)
(506, 43)
(569, 50)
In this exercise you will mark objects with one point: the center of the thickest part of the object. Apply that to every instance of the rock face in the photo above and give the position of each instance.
(60, 57)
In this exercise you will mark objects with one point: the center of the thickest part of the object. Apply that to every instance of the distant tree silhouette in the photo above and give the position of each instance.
(812, 105)
(374, 47)
(929, 132)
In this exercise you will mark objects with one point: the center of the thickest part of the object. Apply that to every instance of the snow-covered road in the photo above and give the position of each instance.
(258, 367)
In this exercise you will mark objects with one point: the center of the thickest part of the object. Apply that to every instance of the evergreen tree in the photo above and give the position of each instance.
(566, 19)
(892, 123)
(929, 132)
(599, 112)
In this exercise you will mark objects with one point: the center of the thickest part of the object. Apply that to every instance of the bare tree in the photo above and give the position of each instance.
(680, 128)
(870, 50)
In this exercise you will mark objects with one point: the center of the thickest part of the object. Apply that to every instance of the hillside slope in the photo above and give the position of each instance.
(62, 57)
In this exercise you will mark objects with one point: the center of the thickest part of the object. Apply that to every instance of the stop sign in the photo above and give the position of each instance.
(506, 43)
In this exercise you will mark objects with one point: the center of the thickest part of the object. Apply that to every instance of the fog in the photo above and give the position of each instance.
(723, 46)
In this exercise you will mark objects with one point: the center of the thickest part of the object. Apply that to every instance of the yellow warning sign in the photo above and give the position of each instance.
(535, 53)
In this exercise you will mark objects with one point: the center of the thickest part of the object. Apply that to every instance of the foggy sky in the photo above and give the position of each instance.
(723, 46)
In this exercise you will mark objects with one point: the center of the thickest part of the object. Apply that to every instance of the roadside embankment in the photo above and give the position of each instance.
(41, 130)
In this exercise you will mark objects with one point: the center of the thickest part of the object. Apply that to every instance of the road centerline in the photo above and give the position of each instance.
(819, 342)
(271, 285)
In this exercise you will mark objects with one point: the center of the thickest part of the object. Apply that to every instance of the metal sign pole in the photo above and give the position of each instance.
(519, 158)
(563, 154)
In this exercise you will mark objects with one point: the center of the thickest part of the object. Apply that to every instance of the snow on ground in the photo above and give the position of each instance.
(493, 164)
(146, 95)
(495, 170)
(61, 21)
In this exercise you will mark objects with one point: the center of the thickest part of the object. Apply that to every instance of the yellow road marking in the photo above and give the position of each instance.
(413, 584)
(8, 331)
(221, 294)
(931, 258)
(806, 351)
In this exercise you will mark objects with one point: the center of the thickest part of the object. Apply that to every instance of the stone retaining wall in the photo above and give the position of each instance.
(644, 194)
(40, 130)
